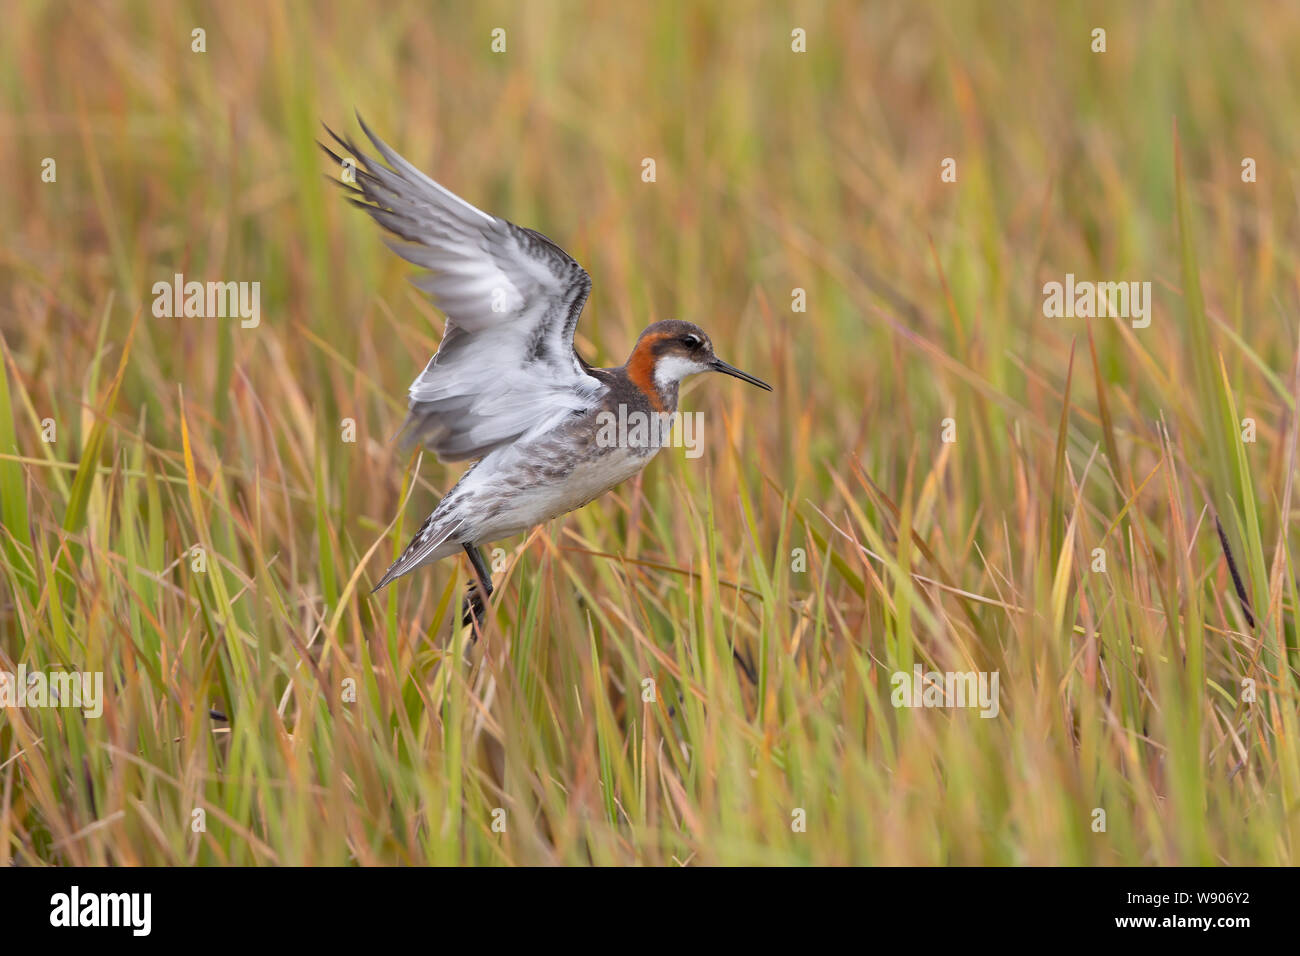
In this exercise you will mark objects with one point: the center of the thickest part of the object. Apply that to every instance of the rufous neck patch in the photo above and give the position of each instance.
(641, 370)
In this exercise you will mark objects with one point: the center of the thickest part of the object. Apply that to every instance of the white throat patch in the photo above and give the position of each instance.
(671, 369)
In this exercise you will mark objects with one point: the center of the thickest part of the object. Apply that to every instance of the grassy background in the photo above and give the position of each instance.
(1120, 690)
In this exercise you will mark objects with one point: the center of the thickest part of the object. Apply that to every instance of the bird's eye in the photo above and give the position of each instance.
(691, 341)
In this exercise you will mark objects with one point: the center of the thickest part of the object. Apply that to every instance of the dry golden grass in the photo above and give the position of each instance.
(1120, 690)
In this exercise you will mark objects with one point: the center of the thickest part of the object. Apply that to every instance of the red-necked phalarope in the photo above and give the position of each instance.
(506, 386)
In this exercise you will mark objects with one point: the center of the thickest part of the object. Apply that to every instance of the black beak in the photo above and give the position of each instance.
(720, 366)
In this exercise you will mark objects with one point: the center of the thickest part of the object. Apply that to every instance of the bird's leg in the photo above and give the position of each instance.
(479, 590)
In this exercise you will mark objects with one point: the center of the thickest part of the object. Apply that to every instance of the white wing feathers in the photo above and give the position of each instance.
(506, 366)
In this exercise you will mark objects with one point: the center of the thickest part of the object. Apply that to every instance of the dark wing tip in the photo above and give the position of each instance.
(347, 144)
(360, 161)
(367, 130)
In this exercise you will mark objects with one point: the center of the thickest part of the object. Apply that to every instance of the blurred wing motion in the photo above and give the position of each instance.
(506, 366)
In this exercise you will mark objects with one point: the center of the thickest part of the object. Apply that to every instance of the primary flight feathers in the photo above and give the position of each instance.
(506, 366)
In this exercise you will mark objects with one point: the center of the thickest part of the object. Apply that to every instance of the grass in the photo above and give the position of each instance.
(200, 530)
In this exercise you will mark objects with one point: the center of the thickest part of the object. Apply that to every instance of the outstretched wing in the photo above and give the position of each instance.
(506, 366)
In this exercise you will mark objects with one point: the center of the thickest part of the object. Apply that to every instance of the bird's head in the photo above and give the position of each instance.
(669, 351)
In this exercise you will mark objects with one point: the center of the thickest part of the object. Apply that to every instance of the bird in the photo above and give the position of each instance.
(507, 388)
